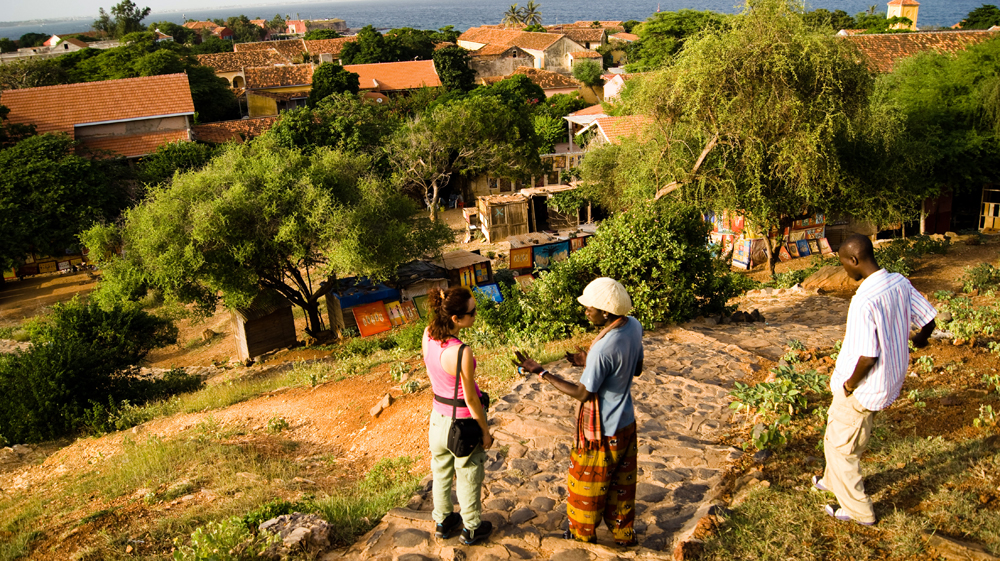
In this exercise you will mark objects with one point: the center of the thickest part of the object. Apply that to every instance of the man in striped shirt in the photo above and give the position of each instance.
(869, 373)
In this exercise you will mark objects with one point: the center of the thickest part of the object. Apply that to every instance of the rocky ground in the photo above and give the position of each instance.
(682, 414)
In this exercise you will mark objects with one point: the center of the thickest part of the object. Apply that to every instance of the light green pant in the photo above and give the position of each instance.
(848, 431)
(469, 472)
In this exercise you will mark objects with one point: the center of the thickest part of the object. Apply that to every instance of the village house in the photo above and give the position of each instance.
(273, 89)
(499, 60)
(552, 83)
(220, 31)
(395, 77)
(237, 131)
(619, 42)
(130, 117)
(613, 130)
(292, 49)
(590, 37)
(551, 51)
(55, 46)
(231, 65)
(327, 50)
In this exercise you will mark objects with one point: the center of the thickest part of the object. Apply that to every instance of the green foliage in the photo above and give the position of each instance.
(31, 73)
(272, 509)
(981, 277)
(276, 425)
(181, 34)
(321, 34)
(588, 72)
(410, 386)
(983, 17)
(330, 78)
(32, 39)
(173, 157)
(12, 133)
(342, 121)
(664, 34)
(630, 25)
(7, 46)
(535, 28)
(560, 105)
(243, 30)
(550, 131)
(901, 254)
(48, 195)
(515, 91)
(453, 67)
(80, 356)
(126, 17)
(396, 45)
(879, 23)
(969, 320)
(776, 403)
(228, 540)
(829, 21)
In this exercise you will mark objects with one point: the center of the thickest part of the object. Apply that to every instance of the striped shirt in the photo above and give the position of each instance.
(878, 326)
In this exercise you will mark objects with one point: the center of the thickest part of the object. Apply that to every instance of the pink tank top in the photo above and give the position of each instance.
(442, 383)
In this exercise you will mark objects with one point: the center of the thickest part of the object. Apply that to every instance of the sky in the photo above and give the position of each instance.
(17, 10)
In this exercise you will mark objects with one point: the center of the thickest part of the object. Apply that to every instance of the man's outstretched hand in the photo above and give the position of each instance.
(525, 362)
(579, 358)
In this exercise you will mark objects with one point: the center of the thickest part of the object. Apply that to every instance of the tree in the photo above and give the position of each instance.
(48, 195)
(330, 78)
(243, 30)
(321, 34)
(453, 65)
(513, 17)
(211, 44)
(370, 47)
(873, 22)
(550, 131)
(531, 14)
(664, 34)
(749, 119)
(278, 24)
(983, 17)
(478, 134)
(32, 40)
(407, 43)
(7, 46)
(181, 34)
(342, 121)
(559, 105)
(629, 25)
(263, 217)
(173, 157)
(126, 17)
(516, 91)
(31, 73)
(12, 133)
(535, 28)
(588, 72)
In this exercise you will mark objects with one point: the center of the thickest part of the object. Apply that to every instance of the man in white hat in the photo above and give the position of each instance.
(602, 477)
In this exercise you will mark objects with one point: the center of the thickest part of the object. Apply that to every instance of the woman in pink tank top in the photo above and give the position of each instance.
(452, 311)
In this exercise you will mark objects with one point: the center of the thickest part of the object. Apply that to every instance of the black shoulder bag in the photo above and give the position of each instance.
(464, 434)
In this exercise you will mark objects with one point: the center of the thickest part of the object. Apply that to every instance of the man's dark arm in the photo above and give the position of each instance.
(919, 338)
(861, 369)
(575, 390)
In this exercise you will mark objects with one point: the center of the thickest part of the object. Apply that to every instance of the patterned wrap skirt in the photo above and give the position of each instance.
(602, 486)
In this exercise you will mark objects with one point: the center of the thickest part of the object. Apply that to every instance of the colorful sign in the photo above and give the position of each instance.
(410, 313)
(816, 233)
(793, 250)
(803, 247)
(482, 273)
(824, 247)
(466, 277)
(395, 313)
(576, 244)
(520, 258)
(492, 291)
(784, 255)
(741, 254)
(549, 254)
(524, 281)
(372, 318)
(423, 307)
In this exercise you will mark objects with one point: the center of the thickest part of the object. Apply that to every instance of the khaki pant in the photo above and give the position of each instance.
(445, 467)
(848, 431)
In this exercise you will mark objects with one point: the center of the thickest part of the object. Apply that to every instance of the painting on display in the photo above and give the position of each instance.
(10, 275)
(815, 233)
(395, 313)
(577, 244)
(803, 247)
(466, 277)
(784, 255)
(410, 313)
(546, 255)
(813, 246)
(372, 318)
(824, 247)
(492, 291)
(47, 267)
(741, 254)
(524, 281)
(793, 250)
(482, 273)
(520, 258)
(423, 307)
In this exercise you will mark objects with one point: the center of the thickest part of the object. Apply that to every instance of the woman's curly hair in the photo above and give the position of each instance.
(443, 305)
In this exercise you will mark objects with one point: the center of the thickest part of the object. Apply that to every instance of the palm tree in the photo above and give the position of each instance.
(530, 14)
(513, 16)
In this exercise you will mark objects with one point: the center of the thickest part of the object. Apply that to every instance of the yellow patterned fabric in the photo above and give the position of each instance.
(602, 487)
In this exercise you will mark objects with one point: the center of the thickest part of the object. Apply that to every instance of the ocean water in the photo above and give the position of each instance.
(463, 14)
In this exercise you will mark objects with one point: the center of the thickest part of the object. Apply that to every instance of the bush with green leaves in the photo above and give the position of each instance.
(228, 540)
(80, 356)
(981, 277)
(775, 403)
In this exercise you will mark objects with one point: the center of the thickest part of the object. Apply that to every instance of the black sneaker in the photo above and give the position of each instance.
(472, 537)
(450, 524)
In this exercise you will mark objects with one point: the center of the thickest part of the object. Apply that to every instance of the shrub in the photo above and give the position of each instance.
(981, 277)
(81, 355)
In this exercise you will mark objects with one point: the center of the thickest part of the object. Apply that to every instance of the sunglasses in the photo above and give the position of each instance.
(471, 312)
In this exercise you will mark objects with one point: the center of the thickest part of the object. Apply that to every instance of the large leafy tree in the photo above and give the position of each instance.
(330, 78)
(342, 121)
(126, 17)
(261, 216)
(31, 73)
(664, 34)
(12, 133)
(453, 67)
(48, 195)
(588, 72)
(750, 119)
(477, 134)
(983, 17)
(832, 21)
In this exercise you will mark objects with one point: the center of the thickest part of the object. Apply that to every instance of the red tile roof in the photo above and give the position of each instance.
(328, 46)
(235, 62)
(492, 51)
(59, 108)
(394, 76)
(76, 42)
(586, 54)
(616, 129)
(545, 79)
(627, 37)
(224, 131)
(201, 25)
(134, 145)
(884, 50)
(581, 34)
(517, 38)
(291, 49)
(278, 76)
(597, 109)
(903, 3)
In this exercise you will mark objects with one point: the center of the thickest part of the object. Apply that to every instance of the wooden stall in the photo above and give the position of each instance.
(539, 250)
(466, 268)
(351, 292)
(266, 325)
(417, 278)
(501, 216)
(543, 217)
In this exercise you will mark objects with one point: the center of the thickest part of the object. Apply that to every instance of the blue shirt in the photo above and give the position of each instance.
(611, 365)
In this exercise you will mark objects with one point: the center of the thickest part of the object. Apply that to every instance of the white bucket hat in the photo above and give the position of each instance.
(608, 295)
